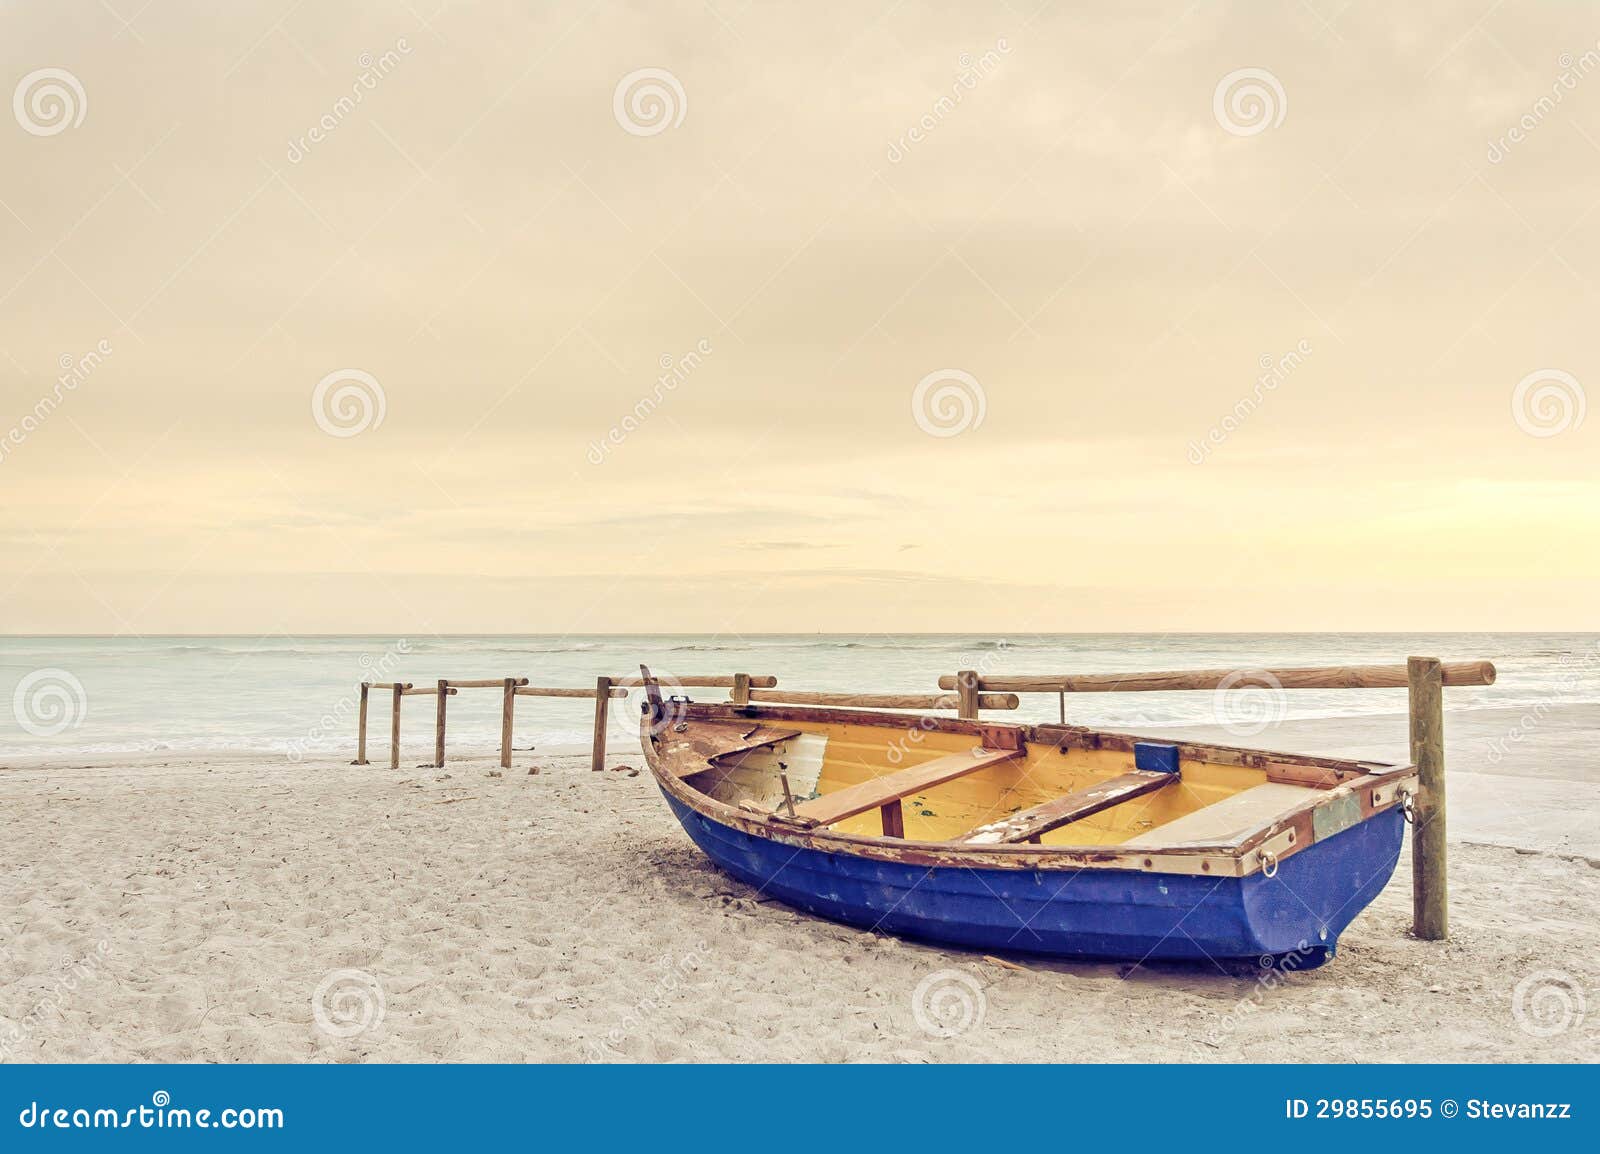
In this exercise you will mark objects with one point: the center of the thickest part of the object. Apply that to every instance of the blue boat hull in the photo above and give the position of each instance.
(1082, 913)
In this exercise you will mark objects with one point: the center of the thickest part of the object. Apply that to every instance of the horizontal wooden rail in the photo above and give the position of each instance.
(485, 683)
(1320, 677)
(709, 682)
(425, 691)
(386, 684)
(882, 700)
(542, 691)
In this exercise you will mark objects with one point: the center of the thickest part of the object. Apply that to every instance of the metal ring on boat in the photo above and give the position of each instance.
(1408, 806)
(1269, 863)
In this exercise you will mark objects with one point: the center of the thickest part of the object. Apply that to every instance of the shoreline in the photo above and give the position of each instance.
(1523, 786)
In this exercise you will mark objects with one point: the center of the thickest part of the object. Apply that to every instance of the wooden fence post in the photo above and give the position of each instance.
(508, 709)
(741, 689)
(438, 725)
(361, 727)
(394, 729)
(967, 688)
(1429, 884)
(602, 712)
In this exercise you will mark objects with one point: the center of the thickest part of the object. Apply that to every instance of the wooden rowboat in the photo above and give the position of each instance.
(1048, 839)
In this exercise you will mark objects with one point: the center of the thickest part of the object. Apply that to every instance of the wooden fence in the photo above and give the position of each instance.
(605, 690)
(744, 689)
(1425, 678)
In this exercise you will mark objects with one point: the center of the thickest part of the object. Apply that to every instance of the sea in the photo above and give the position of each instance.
(296, 696)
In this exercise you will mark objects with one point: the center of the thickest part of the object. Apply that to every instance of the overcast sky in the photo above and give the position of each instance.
(341, 317)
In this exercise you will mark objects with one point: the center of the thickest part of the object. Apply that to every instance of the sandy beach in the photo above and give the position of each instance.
(247, 909)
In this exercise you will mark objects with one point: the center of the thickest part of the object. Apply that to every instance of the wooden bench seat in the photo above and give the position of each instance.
(884, 793)
(1228, 820)
(1030, 824)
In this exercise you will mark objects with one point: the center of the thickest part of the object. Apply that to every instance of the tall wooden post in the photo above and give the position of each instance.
(361, 727)
(967, 688)
(508, 709)
(394, 729)
(602, 716)
(1429, 886)
(741, 689)
(438, 725)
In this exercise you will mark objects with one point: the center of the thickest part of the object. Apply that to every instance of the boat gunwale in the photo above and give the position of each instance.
(1243, 854)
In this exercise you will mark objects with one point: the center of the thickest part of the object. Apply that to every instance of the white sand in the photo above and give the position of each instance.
(190, 910)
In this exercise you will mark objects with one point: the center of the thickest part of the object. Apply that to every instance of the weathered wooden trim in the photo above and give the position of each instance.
(1236, 857)
(996, 736)
(1063, 737)
(484, 682)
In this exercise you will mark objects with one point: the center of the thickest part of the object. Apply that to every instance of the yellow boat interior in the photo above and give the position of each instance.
(928, 780)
